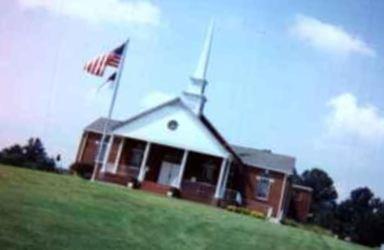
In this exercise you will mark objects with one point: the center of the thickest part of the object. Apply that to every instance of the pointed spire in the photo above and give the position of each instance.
(194, 96)
(201, 69)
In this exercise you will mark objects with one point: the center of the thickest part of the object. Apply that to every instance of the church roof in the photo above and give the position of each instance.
(97, 126)
(265, 159)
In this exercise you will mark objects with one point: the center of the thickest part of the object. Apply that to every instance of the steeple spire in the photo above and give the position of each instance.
(202, 66)
(194, 95)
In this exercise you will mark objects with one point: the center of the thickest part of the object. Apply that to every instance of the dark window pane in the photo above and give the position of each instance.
(262, 188)
(136, 157)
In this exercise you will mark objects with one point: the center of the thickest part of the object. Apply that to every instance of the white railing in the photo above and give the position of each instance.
(109, 167)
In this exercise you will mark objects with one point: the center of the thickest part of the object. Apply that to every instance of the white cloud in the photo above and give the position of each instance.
(155, 98)
(349, 118)
(95, 11)
(328, 37)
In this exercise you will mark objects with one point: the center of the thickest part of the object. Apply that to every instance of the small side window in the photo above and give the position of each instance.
(263, 185)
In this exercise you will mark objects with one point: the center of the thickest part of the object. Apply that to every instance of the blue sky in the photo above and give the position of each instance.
(302, 78)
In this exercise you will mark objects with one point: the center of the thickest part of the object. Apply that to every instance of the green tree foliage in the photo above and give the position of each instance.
(32, 155)
(361, 218)
(323, 197)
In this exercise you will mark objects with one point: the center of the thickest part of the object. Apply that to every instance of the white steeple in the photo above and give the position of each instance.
(194, 94)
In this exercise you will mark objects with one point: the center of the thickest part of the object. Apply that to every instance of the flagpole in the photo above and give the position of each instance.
(110, 111)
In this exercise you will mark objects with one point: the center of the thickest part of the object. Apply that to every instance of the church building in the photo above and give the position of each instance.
(173, 149)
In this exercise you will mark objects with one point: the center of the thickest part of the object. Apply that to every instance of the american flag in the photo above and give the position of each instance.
(98, 65)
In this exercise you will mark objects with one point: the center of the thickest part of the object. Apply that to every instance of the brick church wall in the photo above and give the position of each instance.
(276, 189)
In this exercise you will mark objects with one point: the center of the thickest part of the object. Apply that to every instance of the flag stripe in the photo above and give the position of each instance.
(97, 65)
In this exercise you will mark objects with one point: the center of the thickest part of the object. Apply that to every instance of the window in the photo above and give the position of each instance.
(172, 125)
(208, 172)
(262, 187)
(174, 158)
(136, 156)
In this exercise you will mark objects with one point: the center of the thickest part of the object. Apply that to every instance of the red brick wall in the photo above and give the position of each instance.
(301, 203)
(248, 178)
(114, 150)
(90, 148)
(249, 190)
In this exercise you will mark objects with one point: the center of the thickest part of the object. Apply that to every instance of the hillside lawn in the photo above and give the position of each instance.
(48, 211)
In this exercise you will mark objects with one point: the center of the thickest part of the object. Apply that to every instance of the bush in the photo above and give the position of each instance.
(246, 211)
(83, 170)
(291, 223)
(257, 215)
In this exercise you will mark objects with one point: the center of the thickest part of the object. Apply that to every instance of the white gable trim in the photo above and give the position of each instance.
(214, 146)
(147, 112)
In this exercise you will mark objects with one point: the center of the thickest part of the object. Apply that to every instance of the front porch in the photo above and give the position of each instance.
(166, 170)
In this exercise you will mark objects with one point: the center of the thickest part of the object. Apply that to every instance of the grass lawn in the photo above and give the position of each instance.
(48, 211)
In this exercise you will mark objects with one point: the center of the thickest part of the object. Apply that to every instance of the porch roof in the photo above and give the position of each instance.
(97, 126)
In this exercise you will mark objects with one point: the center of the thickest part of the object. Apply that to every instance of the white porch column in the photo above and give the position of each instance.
(182, 168)
(143, 165)
(118, 156)
(227, 170)
(221, 178)
(84, 139)
(280, 210)
(107, 152)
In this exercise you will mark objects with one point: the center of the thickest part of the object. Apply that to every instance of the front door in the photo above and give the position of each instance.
(169, 172)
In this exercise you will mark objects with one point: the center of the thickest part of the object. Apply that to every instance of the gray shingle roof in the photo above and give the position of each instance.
(265, 159)
(98, 125)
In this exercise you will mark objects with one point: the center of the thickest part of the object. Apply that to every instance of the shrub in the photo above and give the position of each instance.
(83, 170)
(246, 211)
(257, 214)
(289, 222)
(231, 208)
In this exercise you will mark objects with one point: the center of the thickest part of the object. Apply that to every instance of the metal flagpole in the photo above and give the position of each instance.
(104, 136)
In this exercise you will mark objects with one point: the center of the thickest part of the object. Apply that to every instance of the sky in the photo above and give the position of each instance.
(302, 78)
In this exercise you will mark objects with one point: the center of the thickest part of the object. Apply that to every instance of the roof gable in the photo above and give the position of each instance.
(190, 132)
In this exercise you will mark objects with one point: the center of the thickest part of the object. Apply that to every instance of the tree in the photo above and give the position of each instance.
(323, 197)
(34, 150)
(12, 155)
(361, 218)
(32, 155)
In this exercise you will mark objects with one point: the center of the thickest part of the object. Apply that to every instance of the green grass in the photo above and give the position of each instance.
(48, 211)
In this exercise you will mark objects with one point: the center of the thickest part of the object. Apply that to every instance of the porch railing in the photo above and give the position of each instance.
(230, 195)
(200, 189)
(122, 170)
(132, 171)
